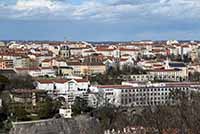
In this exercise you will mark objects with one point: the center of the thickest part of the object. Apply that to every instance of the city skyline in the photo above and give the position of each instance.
(99, 20)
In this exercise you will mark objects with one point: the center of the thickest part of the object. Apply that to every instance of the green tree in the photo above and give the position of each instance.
(4, 81)
(48, 109)
(80, 106)
(19, 113)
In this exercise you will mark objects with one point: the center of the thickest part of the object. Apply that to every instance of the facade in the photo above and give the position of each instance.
(6, 64)
(168, 74)
(46, 63)
(62, 86)
(87, 69)
(131, 94)
(64, 71)
(65, 112)
(154, 94)
(108, 94)
(30, 96)
(64, 52)
(159, 75)
(36, 71)
(2, 64)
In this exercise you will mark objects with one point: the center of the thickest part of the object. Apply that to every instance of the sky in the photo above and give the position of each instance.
(99, 20)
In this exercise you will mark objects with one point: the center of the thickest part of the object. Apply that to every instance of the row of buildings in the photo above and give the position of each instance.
(81, 58)
(128, 94)
(61, 70)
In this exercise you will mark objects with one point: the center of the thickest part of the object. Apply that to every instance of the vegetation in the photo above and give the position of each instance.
(15, 82)
(4, 81)
(112, 75)
(184, 116)
(48, 109)
(21, 82)
(80, 106)
(195, 77)
(111, 117)
(128, 70)
(43, 110)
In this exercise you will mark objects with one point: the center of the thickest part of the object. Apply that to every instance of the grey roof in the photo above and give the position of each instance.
(177, 64)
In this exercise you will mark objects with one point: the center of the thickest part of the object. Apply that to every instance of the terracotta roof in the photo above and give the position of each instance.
(60, 81)
(158, 50)
(114, 86)
(46, 68)
(157, 65)
(81, 80)
(47, 60)
(88, 51)
(128, 49)
(48, 81)
(45, 81)
(105, 49)
(123, 59)
(73, 63)
(28, 69)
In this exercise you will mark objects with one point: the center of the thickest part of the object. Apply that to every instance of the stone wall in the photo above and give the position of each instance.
(78, 125)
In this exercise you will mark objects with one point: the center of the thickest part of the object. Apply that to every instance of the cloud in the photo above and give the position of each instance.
(101, 10)
(36, 4)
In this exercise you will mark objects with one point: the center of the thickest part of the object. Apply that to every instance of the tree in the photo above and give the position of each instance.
(4, 81)
(194, 76)
(111, 117)
(129, 69)
(80, 106)
(183, 115)
(188, 111)
(21, 82)
(20, 114)
(48, 109)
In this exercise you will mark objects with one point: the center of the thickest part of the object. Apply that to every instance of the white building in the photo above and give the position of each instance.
(108, 95)
(65, 112)
(36, 71)
(142, 94)
(62, 86)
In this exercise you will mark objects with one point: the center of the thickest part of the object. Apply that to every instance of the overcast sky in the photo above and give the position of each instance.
(99, 20)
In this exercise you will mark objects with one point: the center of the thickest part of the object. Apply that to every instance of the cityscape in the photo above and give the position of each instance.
(43, 80)
(99, 67)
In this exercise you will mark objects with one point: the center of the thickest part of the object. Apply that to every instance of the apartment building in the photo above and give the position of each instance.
(63, 86)
(2, 64)
(131, 94)
(154, 93)
(87, 69)
(36, 71)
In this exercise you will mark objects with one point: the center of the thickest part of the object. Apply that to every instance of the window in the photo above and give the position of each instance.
(71, 85)
(130, 100)
(122, 101)
(54, 86)
(125, 101)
